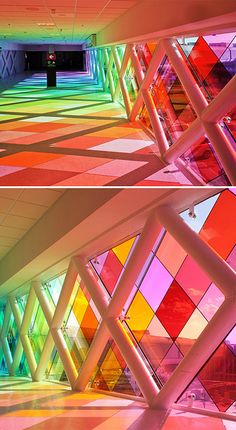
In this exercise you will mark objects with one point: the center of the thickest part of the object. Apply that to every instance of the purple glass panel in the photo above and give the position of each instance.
(155, 284)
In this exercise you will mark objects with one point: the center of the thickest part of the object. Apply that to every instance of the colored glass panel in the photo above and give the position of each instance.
(12, 335)
(112, 373)
(80, 324)
(169, 364)
(111, 271)
(38, 331)
(54, 287)
(145, 53)
(175, 310)
(131, 82)
(155, 342)
(155, 284)
(169, 247)
(219, 229)
(139, 316)
(192, 279)
(218, 376)
(191, 331)
(109, 265)
(3, 366)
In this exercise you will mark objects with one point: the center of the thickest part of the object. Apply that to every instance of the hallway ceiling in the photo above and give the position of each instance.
(57, 21)
(20, 209)
(84, 221)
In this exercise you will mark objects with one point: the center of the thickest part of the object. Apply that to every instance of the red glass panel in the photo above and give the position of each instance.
(192, 279)
(202, 58)
(202, 159)
(219, 377)
(111, 271)
(217, 79)
(175, 310)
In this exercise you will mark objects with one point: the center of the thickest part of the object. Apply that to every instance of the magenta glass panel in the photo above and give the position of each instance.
(192, 279)
(175, 310)
(155, 284)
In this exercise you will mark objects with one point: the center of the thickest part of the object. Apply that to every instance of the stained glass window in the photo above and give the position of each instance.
(172, 303)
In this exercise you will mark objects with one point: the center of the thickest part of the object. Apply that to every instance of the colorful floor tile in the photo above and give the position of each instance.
(49, 406)
(75, 130)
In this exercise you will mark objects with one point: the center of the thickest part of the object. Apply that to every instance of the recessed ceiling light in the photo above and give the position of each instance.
(46, 24)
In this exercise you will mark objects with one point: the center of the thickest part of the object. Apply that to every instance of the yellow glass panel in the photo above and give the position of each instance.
(110, 369)
(80, 305)
(140, 315)
(122, 250)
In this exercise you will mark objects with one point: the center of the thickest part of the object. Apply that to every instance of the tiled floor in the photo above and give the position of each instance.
(49, 406)
(74, 136)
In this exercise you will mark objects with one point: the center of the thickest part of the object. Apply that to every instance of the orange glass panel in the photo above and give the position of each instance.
(219, 229)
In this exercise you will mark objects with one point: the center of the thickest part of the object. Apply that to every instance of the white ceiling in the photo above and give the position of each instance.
(20, 209)
(84, 221)
(57, 21)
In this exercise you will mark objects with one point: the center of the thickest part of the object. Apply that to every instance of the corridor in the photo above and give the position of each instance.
(74, 135)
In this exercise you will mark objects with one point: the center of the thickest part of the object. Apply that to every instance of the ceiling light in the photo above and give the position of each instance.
(46, 24)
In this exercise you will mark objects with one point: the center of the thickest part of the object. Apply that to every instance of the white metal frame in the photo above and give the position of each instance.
(208, 114)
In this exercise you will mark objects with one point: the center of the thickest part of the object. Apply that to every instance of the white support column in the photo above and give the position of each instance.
(55, 321)
(222, 104)
(222, 322)
(215, 266)
(189, 137)
(123, 86)
(220, 143)
(24, 336)
(185, 76)
(97, 346)
(161, 140)
(138, 258)
(5, 345)
(118, 67)
(119, 334)
(109, 77)
(49, 343)
(154, 65)
(44, 358)
(101, 66)
(216, 330)
(223, 148)
(19, 348)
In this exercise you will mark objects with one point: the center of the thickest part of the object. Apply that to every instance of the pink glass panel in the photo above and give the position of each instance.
(155, 284)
